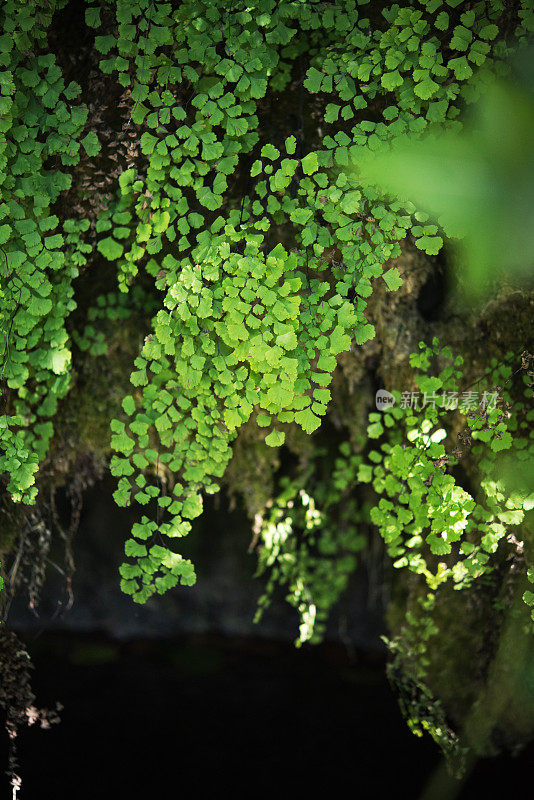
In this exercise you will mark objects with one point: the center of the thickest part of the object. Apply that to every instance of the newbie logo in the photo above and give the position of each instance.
(384, 399)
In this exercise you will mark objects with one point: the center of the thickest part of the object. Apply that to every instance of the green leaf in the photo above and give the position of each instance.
(60, 360)
(148, 143)
(134, 549)
(442, 21)
(350, 202)
(192, 506)
(5, 233)
(291, 145)
(110, 249)
(236, 127)
(339, 340)
(275, 438)
(375, 429)
(313, 80)
(331, 112)
(438, 545)
(128, 405)
(462, 70)
(489, 32)
(287, 340)
(310, 164)
(91, 144)
(92, 17)
(364, 333)
(426, 89)
(391, 80)
(392, 279)
(307, 420)
(270, 152)
(430, 244)
(301, 215)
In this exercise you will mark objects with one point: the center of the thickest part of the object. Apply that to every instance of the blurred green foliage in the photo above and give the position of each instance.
(475, 181)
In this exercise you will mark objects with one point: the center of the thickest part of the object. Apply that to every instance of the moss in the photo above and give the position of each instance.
(12, 519)
(250, 473)
(462, 648)
(479, 662)
(502, 716)
(82, 430)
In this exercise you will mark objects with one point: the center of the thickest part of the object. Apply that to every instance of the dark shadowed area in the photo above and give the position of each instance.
(187, 694)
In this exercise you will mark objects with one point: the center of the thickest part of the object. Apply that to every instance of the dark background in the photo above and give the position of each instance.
(186, 694)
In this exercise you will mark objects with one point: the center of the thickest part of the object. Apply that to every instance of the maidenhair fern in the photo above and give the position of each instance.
(238, 241)
(38, 125)
(263, 279)
(424, 514)
(430, 524)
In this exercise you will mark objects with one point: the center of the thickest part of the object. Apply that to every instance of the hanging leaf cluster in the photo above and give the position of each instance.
(260, 244)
